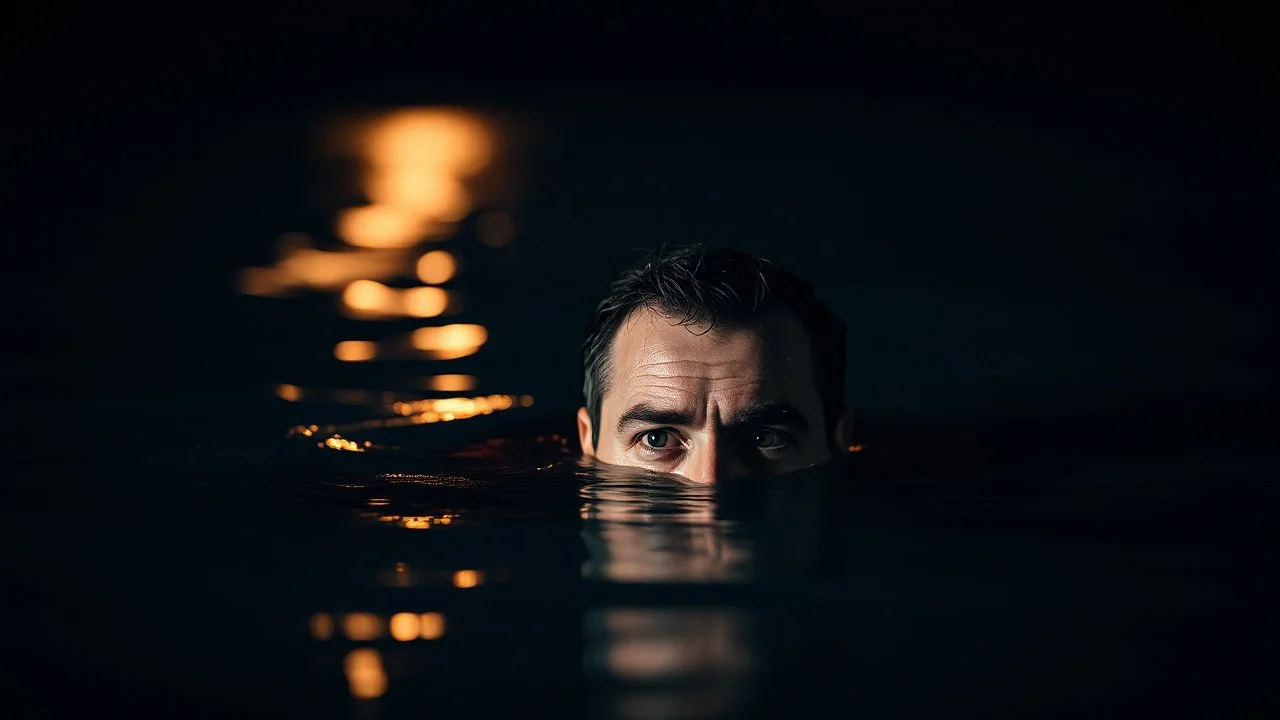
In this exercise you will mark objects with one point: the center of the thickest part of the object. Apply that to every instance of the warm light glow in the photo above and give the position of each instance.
(436, 267)
(337, 442)
(455, 407)
(302, 266)
(856, 448)
(452, 354)
(416, 412)
(451, 383)
(382, 227)
(419, 192)
(424, 302)
(450, 338)
(495, 228)
(292, 393)
(331, 270)
(467, 578)
(405, 626)
(321, 626)
(365, 674)
(369, 295)
(449, 141)
(361, 626)
(424, 522)
(526, 401)
(355, 350)
(432, 625)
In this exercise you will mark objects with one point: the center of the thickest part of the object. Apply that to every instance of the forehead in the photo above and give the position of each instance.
(651, 351)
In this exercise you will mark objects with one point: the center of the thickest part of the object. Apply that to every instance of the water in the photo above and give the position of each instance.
(191, 558)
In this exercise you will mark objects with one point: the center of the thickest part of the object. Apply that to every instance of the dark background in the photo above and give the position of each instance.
(1018, 214)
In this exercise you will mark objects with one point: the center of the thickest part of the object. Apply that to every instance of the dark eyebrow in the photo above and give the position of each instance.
(770, 413)
(760, 413)
(645, 414)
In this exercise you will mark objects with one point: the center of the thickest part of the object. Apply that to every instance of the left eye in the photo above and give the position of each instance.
(768, 439)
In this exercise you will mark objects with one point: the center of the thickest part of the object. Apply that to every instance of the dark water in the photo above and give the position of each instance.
(186, 557)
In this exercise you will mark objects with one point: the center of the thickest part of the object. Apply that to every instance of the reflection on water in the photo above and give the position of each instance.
(679, 657)
(511, 580)
(668, 663)
(645, 529)
(423, 171)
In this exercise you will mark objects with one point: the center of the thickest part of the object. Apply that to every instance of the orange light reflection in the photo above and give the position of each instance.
(321, 626)
(361, 626)
(365, 675)
(436, 267)
(355, 350)
(467, 578)
(405, 626)
(451, 383)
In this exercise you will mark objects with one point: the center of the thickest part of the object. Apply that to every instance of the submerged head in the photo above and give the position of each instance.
(712, 363)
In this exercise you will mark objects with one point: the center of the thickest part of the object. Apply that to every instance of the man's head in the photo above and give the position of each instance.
(711, 363)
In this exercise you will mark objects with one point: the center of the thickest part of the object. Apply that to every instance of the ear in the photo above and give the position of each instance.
(842, 434)
(584, 433)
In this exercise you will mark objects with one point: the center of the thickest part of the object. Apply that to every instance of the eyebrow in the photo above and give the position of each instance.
(646, 414)
(758, 413)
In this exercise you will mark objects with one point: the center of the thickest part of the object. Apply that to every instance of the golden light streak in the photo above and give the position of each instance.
(424, 302)
(419, 192)
(355, 350)
(383, 227)
(305, 267)
(361, 626)
(436, 267)
(422, 522)
(332, 270)
(321, 626)
(369, 296)
(452, 354)
(451, 141)
(447, 338)
(337, 442)
(405, 626)
(451, 383)
(467, 578)
(292, 393)
(417, 412)
(365, 675)
(431, 625)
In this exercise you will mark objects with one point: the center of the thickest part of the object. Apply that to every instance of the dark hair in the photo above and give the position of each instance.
(697, 285)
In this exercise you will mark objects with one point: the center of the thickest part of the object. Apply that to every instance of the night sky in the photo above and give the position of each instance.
(1015, 214)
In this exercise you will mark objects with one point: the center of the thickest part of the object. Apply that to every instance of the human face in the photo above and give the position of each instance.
(711, 405)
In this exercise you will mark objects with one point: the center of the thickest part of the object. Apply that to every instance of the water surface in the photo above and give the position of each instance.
(225, 568)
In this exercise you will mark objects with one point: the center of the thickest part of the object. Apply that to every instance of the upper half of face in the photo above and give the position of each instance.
(710, 405)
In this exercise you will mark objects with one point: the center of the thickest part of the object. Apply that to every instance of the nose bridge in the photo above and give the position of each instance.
(712, 460)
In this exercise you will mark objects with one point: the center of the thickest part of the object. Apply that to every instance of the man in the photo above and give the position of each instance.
(712, 363)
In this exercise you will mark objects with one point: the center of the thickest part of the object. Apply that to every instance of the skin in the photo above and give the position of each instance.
(712, 406)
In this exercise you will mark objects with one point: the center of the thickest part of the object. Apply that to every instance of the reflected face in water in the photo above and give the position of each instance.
(711, 404)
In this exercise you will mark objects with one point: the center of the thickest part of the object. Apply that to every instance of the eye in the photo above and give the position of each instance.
(769, 439)
(657, 440)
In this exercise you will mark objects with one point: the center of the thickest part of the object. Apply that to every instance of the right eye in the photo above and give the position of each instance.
(657, 440)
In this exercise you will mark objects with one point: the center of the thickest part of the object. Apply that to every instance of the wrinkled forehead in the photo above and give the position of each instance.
(772, 348)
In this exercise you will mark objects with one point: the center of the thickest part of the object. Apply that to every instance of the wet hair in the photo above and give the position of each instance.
(719, 288)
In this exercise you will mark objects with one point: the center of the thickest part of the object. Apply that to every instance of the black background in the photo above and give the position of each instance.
(1019, 212)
